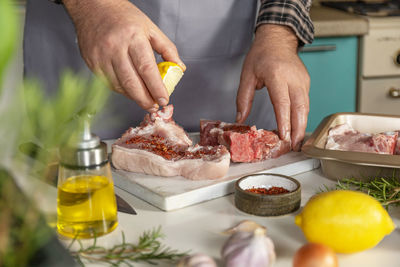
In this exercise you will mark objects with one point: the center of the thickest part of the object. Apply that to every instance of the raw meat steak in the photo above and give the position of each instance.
(161, 124)
(397, 148)
(344, 137)
(161, 147)
(245, 143)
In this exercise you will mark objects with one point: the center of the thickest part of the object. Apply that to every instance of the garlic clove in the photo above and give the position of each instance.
(244, 226)
(249, 249)
(197, 260)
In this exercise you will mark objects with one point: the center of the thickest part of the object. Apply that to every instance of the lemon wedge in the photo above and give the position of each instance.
(171, 73)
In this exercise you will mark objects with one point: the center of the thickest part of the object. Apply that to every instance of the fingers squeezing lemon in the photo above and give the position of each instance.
(171, 74)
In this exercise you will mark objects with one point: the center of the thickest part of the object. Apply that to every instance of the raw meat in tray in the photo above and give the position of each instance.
(344, 137)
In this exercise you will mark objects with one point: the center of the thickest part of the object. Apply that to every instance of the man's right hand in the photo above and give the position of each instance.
(117, 40)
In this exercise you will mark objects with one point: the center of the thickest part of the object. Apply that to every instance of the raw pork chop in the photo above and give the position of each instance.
(161, 147)
(397, 148)
(344, 137)
(245, 143)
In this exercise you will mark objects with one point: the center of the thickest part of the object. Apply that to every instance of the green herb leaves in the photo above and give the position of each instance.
(385, 190)
(8, 33)
(149, 249)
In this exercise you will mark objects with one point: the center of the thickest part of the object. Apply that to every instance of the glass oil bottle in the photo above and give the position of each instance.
(86, 204)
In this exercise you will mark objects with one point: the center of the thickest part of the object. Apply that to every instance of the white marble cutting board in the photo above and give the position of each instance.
(170, 193)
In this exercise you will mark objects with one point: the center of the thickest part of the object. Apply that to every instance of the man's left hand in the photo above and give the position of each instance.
(273, 62)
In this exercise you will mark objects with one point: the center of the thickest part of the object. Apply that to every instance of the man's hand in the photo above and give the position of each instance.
(117, 40)
(273, 62)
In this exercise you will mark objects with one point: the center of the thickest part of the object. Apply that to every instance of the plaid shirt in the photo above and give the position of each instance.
(292, 13)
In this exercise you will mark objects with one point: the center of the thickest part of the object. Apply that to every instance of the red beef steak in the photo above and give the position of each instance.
(245, 143)
(161, 147)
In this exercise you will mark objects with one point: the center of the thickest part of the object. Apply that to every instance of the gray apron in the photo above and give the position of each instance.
(212, 37)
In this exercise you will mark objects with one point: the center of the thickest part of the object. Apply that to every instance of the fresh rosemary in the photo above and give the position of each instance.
(385, 190)
(149, 249)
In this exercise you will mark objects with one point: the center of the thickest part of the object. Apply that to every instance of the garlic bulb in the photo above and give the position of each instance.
(197, 260)
(244, 226)
(246, 248)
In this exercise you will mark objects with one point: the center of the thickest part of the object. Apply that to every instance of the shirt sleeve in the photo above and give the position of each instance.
(292, 13)
(56, 1)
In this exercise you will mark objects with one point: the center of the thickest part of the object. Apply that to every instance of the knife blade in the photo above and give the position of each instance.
(124, 206)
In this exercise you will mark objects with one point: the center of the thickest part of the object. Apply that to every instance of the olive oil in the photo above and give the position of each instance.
(86, 206)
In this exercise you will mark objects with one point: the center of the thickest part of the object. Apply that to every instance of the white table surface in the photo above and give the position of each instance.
(197, 228)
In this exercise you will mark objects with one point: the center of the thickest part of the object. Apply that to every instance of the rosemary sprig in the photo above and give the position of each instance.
(385, 190)
(148, 249)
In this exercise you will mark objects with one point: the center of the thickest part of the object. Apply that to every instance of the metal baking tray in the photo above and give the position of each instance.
(337, 164)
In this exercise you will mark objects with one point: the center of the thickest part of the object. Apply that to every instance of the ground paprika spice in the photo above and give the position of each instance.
(274, 190)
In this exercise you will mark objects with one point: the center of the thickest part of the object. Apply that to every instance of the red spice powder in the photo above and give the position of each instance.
(274, 190)
(158, 145)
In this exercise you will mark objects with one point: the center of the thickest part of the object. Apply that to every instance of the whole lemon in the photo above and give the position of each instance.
(347, 221)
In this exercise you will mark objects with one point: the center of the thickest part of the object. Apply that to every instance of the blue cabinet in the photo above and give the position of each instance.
(332, 65)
